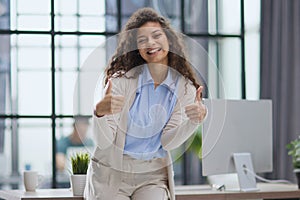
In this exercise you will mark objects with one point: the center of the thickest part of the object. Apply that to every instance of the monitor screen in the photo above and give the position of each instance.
(236, 126)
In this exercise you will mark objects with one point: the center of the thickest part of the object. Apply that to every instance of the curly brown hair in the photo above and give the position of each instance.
(127, 54)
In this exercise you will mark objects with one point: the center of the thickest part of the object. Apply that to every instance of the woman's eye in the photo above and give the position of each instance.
(157, 35)
(141, 41)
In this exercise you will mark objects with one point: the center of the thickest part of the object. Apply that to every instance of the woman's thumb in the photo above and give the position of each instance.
(109, 87)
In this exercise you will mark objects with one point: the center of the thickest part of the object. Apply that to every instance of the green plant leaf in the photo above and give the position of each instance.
(294, 151)
(80, 162)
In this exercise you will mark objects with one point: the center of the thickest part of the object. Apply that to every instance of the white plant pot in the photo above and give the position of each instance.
(78, 184)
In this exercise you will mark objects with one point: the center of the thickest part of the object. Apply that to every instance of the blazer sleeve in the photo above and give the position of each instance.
(104, 128)
(180, 128)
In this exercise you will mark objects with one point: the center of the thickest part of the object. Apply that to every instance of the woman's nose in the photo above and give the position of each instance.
(151, 41)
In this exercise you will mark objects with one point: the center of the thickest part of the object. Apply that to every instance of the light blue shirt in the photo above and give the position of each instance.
(148, 115)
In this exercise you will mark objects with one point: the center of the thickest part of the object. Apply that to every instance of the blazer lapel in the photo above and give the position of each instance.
(122, 128)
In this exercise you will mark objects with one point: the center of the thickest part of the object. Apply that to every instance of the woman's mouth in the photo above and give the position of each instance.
(153, 51)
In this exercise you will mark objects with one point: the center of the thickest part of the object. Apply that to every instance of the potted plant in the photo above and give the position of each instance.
(80, 162)
(294, 151)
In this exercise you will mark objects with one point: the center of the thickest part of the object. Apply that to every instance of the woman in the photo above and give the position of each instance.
(152, 104)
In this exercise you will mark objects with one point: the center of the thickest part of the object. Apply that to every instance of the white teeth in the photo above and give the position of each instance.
(153, 50)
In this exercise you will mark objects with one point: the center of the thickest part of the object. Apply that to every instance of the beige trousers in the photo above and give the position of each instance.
(143, 180)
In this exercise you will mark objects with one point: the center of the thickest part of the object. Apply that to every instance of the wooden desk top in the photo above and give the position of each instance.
(186, 192)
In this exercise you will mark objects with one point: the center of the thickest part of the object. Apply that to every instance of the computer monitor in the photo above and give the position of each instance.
(237, 126)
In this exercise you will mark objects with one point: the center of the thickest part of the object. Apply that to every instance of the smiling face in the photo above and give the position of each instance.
(153, 43)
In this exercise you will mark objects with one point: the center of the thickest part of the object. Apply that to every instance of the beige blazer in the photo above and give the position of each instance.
(104, 173)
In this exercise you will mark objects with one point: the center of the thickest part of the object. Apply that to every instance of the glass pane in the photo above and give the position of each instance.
(252, 15)
(7, 182)
(91, 7)
(218, 65)
(66, 52)
(230, 67)
(111, 23)
(64, 87)
(110, 46)
(84, 23)
(5, 74)
(212, 16)
(33, 6)
(229, 16)
(64, 128)
(93, 52)
(71, 138)
(252, 65)
(35, 148)
(92, 62)
(83, 98)
(252, 42)
(4, 14)
(92, 41)
(75, 92)
(169, 9)
(196, 15)
(4, 22)
(41, 56)
(13, 14)
(215, 82)
(87, 58)
(30, 40)
(129, 6)
(34, 93)
(197, 50)
(66, 41)
(66, 23)
(65, 7)
(73, 51)
(34, 22)
(66, 58)
(92, 24)
(80, 16)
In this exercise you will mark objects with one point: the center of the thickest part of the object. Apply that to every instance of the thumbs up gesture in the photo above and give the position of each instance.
(196, 112)
(110, 104)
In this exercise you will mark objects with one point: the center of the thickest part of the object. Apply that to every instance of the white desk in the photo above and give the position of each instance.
(46, 194)
(187, 192)
(267, 191)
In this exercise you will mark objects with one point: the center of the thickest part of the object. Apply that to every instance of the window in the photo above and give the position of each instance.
(43, 69)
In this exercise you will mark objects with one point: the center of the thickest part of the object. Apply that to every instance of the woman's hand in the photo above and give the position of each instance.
(196, 112)
(110, 104)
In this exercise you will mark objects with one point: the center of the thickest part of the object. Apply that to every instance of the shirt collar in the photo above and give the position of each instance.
(146, 78)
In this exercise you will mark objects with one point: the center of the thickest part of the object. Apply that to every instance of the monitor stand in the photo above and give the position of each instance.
(247, 180)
